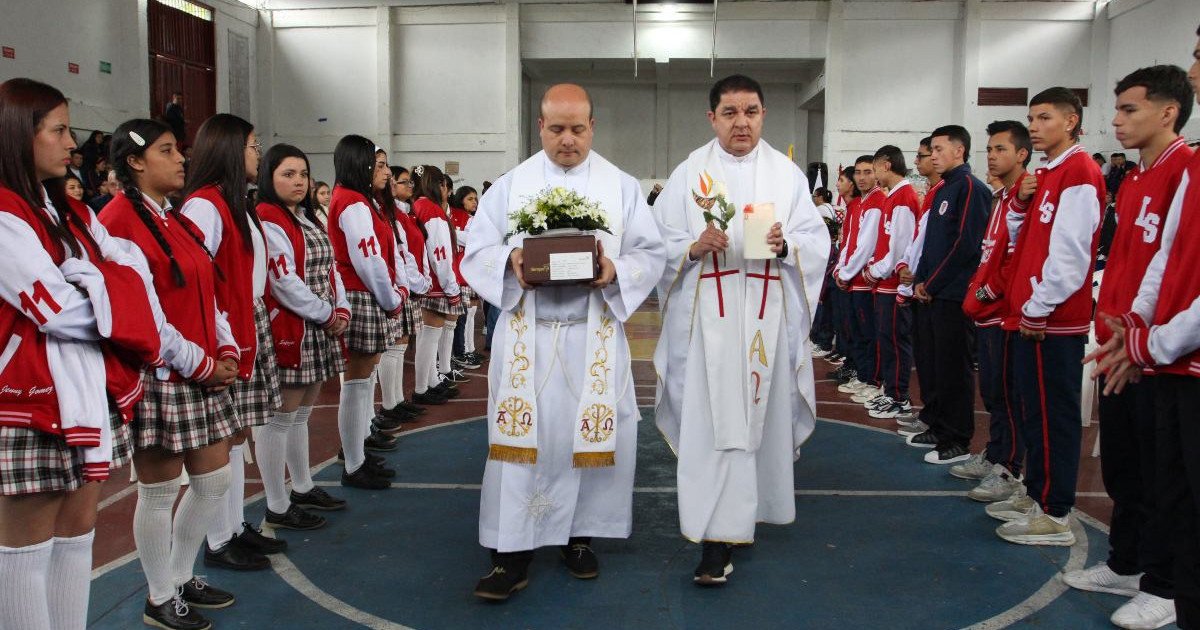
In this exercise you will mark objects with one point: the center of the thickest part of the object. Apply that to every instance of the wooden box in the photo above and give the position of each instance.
(560, 258)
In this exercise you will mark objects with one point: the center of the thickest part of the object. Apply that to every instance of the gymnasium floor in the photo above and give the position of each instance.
(882, 540)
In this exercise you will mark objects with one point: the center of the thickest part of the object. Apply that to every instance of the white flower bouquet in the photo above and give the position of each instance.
(556, 208)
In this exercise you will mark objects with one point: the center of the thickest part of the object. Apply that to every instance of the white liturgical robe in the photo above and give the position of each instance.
(735, 466)
(528, 505)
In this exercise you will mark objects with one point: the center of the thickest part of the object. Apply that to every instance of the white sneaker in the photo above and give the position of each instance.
(1038, 528)
(867, 394)
(1018, 506)
(997, 486)
(977, 467)
(1145, 612)
(820, 353)
(852, 386)
(1102, 579)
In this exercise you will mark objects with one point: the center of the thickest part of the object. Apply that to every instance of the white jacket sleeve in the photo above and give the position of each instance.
(367, 261)
(903, 226)
(285, 284)
(207, 218)
(440, 253)
(1178, 337)
(1147, 298)
(341, 302)
(31, 283)
(868, 233)
(1070, 256)
(912, 255)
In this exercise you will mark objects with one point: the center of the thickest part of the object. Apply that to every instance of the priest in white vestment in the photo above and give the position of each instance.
(558, 472)
(735, 392)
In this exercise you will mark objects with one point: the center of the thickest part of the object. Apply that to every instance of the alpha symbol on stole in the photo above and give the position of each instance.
(759, 347)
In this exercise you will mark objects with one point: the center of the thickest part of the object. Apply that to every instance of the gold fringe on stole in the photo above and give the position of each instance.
(512, 454)
(594, 460)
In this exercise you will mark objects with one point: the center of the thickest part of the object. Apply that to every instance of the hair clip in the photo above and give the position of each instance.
(138, 140)
(379, 149)
(419, 170)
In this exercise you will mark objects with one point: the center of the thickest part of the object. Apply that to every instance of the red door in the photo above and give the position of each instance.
(183, 59)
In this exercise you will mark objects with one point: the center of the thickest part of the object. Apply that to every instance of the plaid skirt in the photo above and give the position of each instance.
(369, 332)
(179, 416)
(32, 461)
(442, 305)
(258, 398)
(321, 358)
(409, 321)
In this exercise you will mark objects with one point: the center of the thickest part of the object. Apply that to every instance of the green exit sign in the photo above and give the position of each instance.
(105, 67)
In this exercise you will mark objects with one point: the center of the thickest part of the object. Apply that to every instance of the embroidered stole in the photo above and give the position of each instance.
(513, 426)
(739, 302)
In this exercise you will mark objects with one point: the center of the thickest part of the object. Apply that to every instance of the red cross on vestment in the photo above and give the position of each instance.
(716, 275)
(766, 278)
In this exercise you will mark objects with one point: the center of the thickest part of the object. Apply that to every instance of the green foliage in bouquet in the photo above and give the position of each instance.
(556, 208)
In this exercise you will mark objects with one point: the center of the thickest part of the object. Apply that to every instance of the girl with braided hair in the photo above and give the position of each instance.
(187, 415)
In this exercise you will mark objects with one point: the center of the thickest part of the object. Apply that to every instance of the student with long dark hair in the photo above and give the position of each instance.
(59, 433)
(364, 247)
(187, 414)
(442, 305)
(463, 204)
(311, 315)
(225, 159)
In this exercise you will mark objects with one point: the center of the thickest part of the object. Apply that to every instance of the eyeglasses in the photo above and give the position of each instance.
(922, 156)
(407, 182)
(257, 146)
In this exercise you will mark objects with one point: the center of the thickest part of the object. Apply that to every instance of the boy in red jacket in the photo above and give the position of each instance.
(1050, 305)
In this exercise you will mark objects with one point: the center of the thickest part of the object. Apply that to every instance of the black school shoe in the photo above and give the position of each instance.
(365, 478)
(296, 518)
(581, 561)
(380, 442)
(429, 397)
(387, 425)
(174, 614)
(317, 499)
(510, 573)
(379, 466)
(252, 538)
(415, 410)
(716, 563)
(235, 557)
(201, 594)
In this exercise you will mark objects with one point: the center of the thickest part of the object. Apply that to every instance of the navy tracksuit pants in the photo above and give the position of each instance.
(893, 340)
(862, 336)
(1005, 446)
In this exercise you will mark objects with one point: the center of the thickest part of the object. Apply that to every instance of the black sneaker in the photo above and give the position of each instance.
(201, 594)
(235, 557)
(399, 412)
(457, 376)
(296, 518)
(429, 397)
(476, 359)
(415, 410)
(923, 440)
(252, 538)
(948, 454)
(380, 442)
(716, 563)
(365, 478)
(581, 561)
(317, 499)
(174, 614)
(387, 424)
(379, 466)
(508, 576)
(446, 388)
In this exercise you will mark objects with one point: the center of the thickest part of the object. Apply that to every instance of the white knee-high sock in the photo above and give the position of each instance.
(469, 336)
(391, 375)
(446, 348)
(70, 580)
(297, 451)
(426, 355)
(356, 393)
(23, 592)
(152, 536)
(200, 505)
(369, 404)
(228, 522)
(271, 451)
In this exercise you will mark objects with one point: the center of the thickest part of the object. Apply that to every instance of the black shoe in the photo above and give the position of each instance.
(948, 454)
(716, 563)
(411, 408)
(429, 397)
(174, 614)
(252, 538)
(923, 440)
(510, 573)
(365, 478)
(446, 389)
(456, 377)
(387, 424)
(295, 518)
(317, 499)
(580, 559)
(236, 557)
(379, 442)
(379, 466)
(201, 594)
(399, 412)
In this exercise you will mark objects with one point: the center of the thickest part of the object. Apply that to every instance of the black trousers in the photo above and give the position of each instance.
(1005, 446)
(954, 422)
(893, 338)
(1047, 379)
(1177, 399)
(823, 325)
(862, 335)
(843, 314)
(923, 358)
(1139, 536)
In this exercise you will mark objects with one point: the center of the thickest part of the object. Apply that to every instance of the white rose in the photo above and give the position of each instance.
(719, 190)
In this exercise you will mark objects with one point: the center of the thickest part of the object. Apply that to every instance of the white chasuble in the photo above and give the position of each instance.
(562, 351)
(736, 396)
